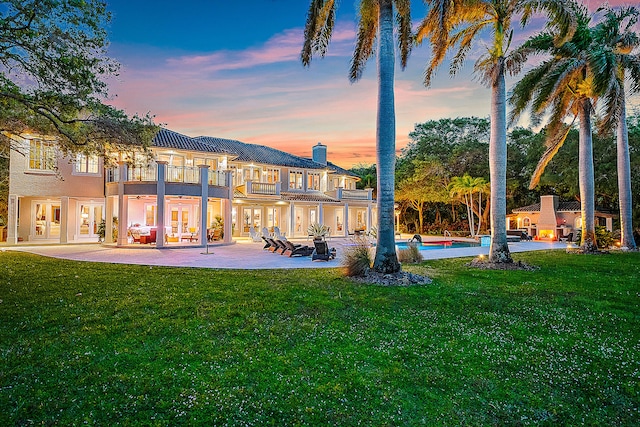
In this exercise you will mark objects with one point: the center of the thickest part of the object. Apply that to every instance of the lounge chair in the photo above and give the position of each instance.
(267, 244)
(278, 235)
(274, 246)
(297, 249)
(416, 238)
(266, 232)
(322, 251)
(568, 238)
(215, 234)
(255, 236)
(281, 246)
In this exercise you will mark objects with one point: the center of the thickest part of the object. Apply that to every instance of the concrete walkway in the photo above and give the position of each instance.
(241, 255)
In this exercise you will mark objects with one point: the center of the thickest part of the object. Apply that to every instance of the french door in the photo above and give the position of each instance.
(90, 215)
(46, 220)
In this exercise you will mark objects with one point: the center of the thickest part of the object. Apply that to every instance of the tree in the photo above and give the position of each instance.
(464, 188)
(427, 184)
(459, 22)
(375, 24)
(52, 78)
(614, 43)
(565, 85)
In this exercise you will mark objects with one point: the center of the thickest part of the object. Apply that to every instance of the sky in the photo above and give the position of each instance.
(231, 69)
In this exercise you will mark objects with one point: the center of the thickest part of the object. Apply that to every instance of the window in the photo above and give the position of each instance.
(212, 163)
(251, 173)
(295, 180)
(313, 181)
(526, 222)
(42, 155)
(86, 164)
(271, 175)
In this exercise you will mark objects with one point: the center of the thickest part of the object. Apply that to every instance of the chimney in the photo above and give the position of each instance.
(320, 154)
(548, 221)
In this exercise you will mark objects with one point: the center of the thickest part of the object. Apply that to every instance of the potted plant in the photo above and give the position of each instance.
(318, 231)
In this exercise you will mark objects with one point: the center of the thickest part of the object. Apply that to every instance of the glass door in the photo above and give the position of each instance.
(46, 220)
(91, 215)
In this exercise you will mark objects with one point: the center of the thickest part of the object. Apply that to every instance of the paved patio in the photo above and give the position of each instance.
(243, 254)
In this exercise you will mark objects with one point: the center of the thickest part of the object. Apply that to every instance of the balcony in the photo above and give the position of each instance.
(174, 174)
(344, 194)
(255, 188)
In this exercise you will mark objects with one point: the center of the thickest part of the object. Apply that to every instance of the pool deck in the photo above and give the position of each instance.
(243, 254)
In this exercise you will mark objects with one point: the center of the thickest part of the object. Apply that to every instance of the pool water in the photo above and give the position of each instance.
(444, 244)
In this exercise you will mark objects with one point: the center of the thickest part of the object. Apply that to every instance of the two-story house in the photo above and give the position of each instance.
(190, 186)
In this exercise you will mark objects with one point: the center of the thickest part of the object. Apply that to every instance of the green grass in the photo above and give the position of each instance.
(101, 344)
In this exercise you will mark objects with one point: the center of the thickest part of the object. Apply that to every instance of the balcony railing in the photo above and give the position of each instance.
(179, 174)
(260, 188)
(341, 193)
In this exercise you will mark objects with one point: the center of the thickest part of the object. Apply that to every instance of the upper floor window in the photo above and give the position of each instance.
(212, 163)
(313, 181)
(295, 180)
(271, 175)
(526, 222)
(251, 173)
(42, 155)
(86, 164)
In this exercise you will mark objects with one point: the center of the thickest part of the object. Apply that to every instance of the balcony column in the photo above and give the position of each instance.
(346, 220)
(12, 219)
(369, 216)
(123, 205)
(160, 193)
(320, 214)
(227, 231)
(204, 203)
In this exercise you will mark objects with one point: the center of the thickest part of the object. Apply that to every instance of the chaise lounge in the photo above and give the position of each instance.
(297, 249)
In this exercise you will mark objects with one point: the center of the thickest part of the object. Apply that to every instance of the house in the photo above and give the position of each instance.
(552, 219)
(190, 186)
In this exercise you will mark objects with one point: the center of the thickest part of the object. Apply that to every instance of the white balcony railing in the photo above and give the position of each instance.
(341, 193)
(179, 174)
(262, 188)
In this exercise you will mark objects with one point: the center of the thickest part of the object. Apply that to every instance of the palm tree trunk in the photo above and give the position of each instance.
(624, 180)
(586, 179)
(386, 260)
(499, 249)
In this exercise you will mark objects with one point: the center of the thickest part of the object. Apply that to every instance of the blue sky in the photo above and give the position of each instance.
(231, 69)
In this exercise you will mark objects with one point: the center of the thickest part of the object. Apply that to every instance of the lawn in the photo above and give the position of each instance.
(102, 344)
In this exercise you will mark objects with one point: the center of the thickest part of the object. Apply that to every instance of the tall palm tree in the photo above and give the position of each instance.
(375, 24)
(613, 53)
(565, 85)
(464, 187)
(451, 23)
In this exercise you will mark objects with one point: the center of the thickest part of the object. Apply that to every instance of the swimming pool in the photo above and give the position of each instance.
(442, 244)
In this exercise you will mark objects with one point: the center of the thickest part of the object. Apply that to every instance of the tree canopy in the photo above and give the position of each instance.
(53, 74)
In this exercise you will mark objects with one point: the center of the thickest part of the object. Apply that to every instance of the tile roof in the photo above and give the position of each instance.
(166, 138)
(570, 206)
(259, 153)
(241, 150)
(310, 196)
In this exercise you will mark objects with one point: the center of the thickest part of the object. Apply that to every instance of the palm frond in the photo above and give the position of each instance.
(404, 33)
(365, 39)
(318, 29)
(555, 142)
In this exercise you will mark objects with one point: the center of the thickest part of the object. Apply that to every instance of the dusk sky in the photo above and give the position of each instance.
(232, 69)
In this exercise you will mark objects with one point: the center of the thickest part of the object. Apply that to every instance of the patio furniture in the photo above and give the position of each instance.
(149, 238)
(568, 238)
(297, 249)
(274, 246)
(281, 246)
(277, 234)
(416, 238)
(266, 232)
(215, 234)
(322, 251)
(255, 236)
(267, 244)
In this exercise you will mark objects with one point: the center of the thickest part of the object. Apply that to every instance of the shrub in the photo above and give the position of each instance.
(604, 238)
(357, 258)
(410, 255)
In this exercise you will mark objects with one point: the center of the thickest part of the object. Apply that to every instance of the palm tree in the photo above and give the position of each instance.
(375, 24)
(464, 188)
(564, 85)
(451, 23)
(614, 43)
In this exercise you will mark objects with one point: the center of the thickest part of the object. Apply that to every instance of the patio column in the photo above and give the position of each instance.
(64, 219)
(369, 216)
(609, 224)
(123, 205)
(320, 214)
(346, 220)
(12, 220)
(108, 221)
(292, 220)
(204, 181)
(226, 206)
(160, 193)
